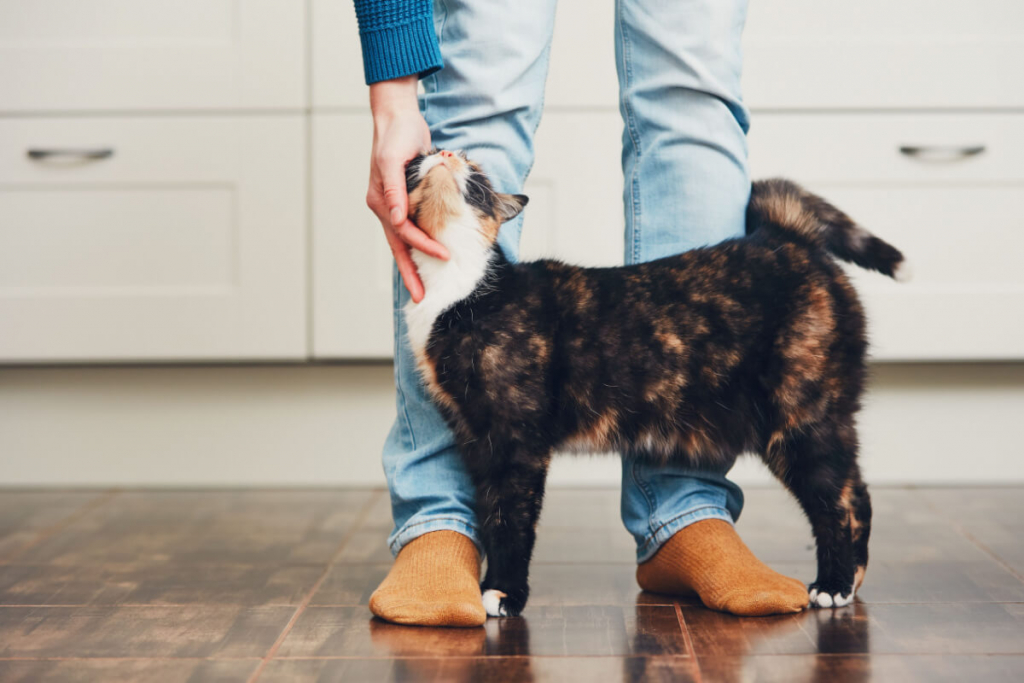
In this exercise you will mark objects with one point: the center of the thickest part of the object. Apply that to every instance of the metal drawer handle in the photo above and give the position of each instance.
(941, 152)
(81, 154)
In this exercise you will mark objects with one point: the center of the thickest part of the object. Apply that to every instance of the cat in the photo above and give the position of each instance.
(753, 345)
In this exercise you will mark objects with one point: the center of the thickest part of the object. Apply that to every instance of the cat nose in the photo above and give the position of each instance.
(446, 154)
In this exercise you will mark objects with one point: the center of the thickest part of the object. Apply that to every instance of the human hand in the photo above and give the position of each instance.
(399, 134)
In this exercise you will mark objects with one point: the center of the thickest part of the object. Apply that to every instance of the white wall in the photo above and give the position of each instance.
(324, 424)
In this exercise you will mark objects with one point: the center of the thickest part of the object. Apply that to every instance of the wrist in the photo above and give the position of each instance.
(394, 97)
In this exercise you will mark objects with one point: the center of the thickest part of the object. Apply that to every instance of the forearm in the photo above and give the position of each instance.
(397, 38)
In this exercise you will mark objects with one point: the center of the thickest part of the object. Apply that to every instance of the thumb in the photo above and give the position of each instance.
(395, 197)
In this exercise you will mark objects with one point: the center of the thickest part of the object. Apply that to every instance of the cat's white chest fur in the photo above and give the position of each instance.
(447, 282)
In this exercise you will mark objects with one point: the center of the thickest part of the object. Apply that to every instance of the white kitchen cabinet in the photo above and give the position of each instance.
(946, 189)
(884, 54)
(126, 55)
(956, 218)
(190, 241)
(352, 271)
(182, 238)
(337, 58)
(829, 54)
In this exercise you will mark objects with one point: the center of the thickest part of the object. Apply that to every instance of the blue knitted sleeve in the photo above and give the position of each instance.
(398, 38)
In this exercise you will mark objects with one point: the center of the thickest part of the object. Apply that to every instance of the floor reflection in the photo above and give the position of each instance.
(416, 650)
(784, 648)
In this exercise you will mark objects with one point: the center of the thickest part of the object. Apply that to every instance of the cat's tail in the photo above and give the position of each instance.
(794, 214)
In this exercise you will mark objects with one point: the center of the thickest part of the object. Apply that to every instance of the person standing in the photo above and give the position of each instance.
(483, 66)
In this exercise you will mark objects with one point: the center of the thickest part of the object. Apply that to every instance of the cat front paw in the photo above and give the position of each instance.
(829, 594)
(499, 603)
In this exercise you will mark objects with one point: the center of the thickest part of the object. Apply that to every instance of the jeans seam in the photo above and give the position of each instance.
(648, 494)
(405, 529)
(440, 41)
(397, 283)
(444, 22)
(533, 134)
(399, 342)
(654, 533)
(634, 135)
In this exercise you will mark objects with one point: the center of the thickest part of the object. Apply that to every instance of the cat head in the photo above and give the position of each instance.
(450, 197)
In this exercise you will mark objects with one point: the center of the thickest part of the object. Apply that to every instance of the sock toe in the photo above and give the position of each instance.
(757, 604)
(435, 581)
(709, 558)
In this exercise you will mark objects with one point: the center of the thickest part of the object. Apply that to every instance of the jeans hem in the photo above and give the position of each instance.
(413, 531)
(652, 544)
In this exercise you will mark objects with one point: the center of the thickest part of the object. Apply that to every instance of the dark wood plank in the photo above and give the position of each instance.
(24, 515)
(156, 584)
(239, 527)
(194, 631)
(367, 546)
(951, 628)
(563, 544)
(895, 581)
(222, 573)
(576, 526)
(992, 516)
(904, 529)
(582, 509)
(491, 670)
(350, 584)
(126, 671)
(554, 544)
(547, 631)
(860, 669)
(939, 581)
(552, 584)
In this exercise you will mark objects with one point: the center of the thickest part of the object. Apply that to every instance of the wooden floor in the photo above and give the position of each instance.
(273, 585)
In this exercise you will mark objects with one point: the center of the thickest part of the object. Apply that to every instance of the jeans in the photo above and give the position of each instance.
(686, 185)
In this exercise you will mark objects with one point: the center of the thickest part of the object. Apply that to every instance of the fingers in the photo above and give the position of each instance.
(406, 266)
(395, 198)
(416, 238)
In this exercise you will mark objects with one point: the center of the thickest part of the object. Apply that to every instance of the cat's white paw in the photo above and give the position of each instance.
(492, 603)
(829, 599)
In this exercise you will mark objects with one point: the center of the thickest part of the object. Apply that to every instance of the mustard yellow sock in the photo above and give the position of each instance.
(710, 559)
(435, 581)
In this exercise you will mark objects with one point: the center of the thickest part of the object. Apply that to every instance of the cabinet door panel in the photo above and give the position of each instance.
(105, 55)
(352, 299)
(337, 68)
(881, 54)
(806, 54)
(186, 242)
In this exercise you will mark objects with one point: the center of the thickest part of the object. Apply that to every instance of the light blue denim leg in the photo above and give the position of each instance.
(487, 101)
(686, 185)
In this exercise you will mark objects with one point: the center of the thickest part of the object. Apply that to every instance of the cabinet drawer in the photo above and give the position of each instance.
(91, 55)
(956, 218)
(186, 242)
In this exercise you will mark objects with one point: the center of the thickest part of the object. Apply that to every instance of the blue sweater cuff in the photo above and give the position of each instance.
(401, 50)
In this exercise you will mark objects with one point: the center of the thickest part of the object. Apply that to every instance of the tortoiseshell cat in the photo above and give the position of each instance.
(755, 345)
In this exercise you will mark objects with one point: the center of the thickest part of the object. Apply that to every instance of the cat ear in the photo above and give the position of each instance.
(510, 205)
